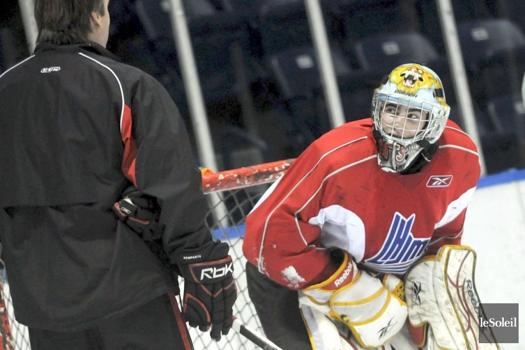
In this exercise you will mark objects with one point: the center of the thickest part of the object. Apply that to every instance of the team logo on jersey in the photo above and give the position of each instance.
(439, 181)
(400, 249)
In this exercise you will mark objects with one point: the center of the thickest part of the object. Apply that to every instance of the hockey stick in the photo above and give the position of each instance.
(256, 338)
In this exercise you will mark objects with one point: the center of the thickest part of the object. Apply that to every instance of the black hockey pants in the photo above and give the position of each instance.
(153, 326)
(278, 311)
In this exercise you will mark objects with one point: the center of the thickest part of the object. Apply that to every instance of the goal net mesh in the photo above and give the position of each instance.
(231, 195)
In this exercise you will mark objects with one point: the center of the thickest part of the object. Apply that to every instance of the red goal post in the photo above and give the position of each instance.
(232, 194)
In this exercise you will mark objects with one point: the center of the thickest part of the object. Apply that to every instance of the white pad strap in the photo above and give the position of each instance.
(440, 292)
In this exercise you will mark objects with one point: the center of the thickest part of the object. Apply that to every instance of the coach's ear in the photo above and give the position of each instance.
(96, 20)
(99, 27)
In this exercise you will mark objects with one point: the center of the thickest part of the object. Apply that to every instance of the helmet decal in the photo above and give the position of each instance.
(412, 76)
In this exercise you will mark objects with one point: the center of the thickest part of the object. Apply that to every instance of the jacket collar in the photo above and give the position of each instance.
(87, 46)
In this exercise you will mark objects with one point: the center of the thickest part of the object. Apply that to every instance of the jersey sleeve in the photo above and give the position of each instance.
(450, 229)
(164, 167)
(279, 240)
(448, 234)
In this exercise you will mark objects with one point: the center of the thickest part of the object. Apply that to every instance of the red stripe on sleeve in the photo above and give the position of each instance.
(130, 150)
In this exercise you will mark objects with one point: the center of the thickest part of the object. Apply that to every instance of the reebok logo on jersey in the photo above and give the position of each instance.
(438, 181)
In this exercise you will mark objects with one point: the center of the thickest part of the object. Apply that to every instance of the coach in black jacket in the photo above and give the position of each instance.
(77, 129)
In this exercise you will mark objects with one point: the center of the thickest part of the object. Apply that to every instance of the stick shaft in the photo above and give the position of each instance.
(254, 337)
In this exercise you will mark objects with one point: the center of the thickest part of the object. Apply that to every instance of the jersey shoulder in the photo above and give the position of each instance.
(353, 137)
(455, 137)
(347, 144)
(458, 154)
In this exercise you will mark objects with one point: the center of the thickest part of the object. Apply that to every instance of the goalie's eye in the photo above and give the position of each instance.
(390, 108)
(414, 115)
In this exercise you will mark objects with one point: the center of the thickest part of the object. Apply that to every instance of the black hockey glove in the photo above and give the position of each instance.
(209, 288)
(140, 213)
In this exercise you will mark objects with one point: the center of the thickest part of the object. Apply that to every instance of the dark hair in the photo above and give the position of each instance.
(65, 21)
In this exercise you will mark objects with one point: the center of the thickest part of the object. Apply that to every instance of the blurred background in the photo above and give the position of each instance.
(259, 72)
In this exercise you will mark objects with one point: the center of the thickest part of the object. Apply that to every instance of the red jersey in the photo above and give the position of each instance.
(336, 196)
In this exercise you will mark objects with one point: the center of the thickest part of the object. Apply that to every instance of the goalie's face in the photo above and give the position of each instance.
(402, 122)
(401, 126)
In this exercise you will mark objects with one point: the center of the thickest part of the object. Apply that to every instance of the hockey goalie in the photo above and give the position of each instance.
(358, 245)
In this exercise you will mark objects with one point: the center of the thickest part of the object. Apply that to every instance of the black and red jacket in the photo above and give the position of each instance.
(78, 127)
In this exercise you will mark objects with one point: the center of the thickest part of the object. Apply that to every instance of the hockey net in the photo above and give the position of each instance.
(231, 194)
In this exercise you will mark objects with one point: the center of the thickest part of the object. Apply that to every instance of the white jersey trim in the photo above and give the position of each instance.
(16, 65)
(118, 82)
(455, 208)
(458, 130)
(399, 268)
(266, 194)
(266, 222)
(460, 148)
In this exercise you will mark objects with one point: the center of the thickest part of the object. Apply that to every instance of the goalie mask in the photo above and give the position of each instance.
(410, 113)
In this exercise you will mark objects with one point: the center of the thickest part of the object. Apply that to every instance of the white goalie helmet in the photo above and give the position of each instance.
(410, 113)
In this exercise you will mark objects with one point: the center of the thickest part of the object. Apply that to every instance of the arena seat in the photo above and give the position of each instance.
(494, 55)
(383, 52)
(214, 34)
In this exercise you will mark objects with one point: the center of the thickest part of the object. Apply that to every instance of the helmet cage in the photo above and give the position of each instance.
(401, 139)
(410, 113)
(407, 128)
